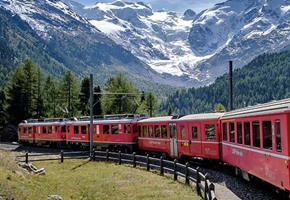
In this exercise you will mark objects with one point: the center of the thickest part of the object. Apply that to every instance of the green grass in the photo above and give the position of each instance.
(81, 179)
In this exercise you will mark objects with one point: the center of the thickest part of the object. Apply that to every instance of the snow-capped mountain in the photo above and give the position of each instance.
(158, 46)
(159, 38)
(190, 46)
(239, 30)
(64, 37)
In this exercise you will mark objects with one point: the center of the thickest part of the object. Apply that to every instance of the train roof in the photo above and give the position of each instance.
(102, 121)
(276, 106)
(202, 116)
(117, 118)
(30, 122)
(158, 119)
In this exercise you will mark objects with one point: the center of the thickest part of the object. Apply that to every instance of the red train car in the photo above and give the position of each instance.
(113, 132)
(199, 135)
(158, 135)
(196, 135)
(50, 132)
(256, 141)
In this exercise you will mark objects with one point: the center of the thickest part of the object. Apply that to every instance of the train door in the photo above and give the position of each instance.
(183, 138)
(173, 140)
(195, 139)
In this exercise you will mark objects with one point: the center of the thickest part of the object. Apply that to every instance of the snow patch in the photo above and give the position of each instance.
(285, 9)
(107, 27)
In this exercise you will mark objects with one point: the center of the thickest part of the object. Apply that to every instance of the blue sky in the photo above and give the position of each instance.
(173, 5)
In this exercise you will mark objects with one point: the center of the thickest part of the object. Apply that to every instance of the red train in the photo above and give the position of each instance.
(113, 132)
(255, 140)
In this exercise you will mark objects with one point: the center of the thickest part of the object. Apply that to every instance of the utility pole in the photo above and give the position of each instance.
(91, 114)
(231, 85)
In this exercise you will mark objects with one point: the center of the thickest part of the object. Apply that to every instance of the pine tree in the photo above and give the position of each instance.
(219, 108)
(23, 93)
(97, 101)
(119, 103)
(151, 103)
(69, 93)
(51, 98)
(170, 110)
(2, 111)
(84, 105)
(40, 100)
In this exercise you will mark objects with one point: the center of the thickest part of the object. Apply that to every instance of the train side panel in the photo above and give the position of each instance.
(42, 133)
(50, 134)
(78, 134)
(258, 145)
(199, 136)
(118, 135)
(26, 133)
(154, 136)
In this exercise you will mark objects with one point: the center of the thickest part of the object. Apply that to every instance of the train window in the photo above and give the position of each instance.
(210, 132)
(164, 131)
(194, 132)
(139, 131)
(267, 135)
(232, 131)
(76, 129)
(44, 129)
(50, 129)
(63, 128)
(182, 129)
(150, 130)
(127, 128)
(157, 131)
(247, 133)
(256, 133)
(135, 128)
(83, 129)
(106, 129)
(225, 132)
(115, 129)
(144, 129)
(25, 130)
(172, 130)
(29, 129)
(239, 132)
(278, 136)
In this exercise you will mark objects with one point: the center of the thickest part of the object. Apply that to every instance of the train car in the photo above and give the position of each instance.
(26, 132)
(256, 141)
(78, 134)
(113, 132)
(50, 132)
(196, 135)
(157, 135)
(199, 135)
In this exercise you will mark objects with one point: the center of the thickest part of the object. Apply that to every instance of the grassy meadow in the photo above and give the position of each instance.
(81, 179)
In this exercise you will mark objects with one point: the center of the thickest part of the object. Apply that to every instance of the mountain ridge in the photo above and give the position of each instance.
(71, 41)
(196, 49)
(164, 47)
